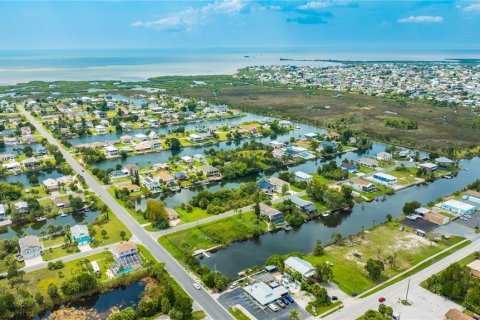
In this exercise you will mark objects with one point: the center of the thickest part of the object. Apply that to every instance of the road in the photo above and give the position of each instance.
(398, 290)
(213, 309)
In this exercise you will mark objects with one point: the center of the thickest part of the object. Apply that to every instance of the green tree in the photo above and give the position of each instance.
(318, 250)
(410, 207)
(374, 268)
(324, 272)
(294, 315)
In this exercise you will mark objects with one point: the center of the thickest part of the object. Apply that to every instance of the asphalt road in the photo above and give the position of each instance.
(201, 297)
(398, 290)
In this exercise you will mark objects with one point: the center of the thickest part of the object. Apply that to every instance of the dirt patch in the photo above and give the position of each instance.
(412, 241)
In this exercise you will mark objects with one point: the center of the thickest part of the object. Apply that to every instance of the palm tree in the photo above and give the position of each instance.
(294, 315)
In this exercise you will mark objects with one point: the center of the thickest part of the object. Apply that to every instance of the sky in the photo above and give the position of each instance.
(342, 24)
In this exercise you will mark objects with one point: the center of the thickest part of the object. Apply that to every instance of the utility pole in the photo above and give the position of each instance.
(408, 288)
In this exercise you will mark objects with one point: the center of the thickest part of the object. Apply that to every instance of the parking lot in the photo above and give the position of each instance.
(238, 296)
(419, 223)
(473, 222)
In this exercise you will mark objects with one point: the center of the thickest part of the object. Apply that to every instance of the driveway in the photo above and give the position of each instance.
(34, 261)
(458, 228)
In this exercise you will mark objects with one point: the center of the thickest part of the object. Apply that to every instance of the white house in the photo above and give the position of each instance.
(385, 179)
(3, 215)
(302, 176)
(100, 129)
(301, 266)
(384, 156)
(140, 137)
(459, 207)
(199, 157)
(111, 151)
(30, 247)
(50, 184)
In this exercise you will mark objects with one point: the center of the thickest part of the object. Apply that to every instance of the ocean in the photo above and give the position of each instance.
(138, 64)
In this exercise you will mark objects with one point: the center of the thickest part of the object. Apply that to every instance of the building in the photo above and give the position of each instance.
(456, 206)
(429, 167)
(273, 215)
(278, 184)
(384, 156)
(140, 137)
(199, 157)
(363, 185)
(3, 215)
(100, 129)
(443, 161)
(264, 294)
(50, 184)
(436, 218)
(111, 151)
(368, 162)
(30, 247)
(21, 206)
(305, 206)
(41, 150)
(266, 186)
(80, 234)
(165, 177)
(384, 178)
(195, 138)
(455, 314)
(172, 214)
(209, 171)
(126, 258)
(30, 162)
(150, 184)
(472, 195)
(348, 166)
(474, 267)
(302, 176)
(130, 187)
(422, 211)
(131, 169)
(295, 264)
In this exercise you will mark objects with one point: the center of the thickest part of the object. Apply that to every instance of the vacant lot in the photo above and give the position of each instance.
(438, 128)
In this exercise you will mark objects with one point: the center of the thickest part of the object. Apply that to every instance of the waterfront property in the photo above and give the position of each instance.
(126, 258)
(264, 294)
(302, 176)
(209, 171)
(80, 234)
(363, 185)
(385, 178)
(429, 167)
(472, 195)
(305, 268)
(458, 207)
(3, 215)
(305, 206)
(30, 247)
(273, 215)
(367, 162)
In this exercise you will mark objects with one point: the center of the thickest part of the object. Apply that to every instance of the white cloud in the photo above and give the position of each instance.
(474, 7)
(187, 19)
(421, 19)
(322, 4)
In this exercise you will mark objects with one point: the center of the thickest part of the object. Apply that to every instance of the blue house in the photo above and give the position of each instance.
(80, 234)
(180, 175)
(349, 166)
(266, 186)
(326, 143)
(41, 150)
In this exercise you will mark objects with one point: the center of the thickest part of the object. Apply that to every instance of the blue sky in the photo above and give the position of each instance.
(341, 24)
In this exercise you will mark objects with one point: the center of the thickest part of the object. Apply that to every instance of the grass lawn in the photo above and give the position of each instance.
(3, 267)
(51, 242)
(113, 227)
(322, 179)
(403, 176)
(237, 314)
(320, 207)
(196, 214)
(220, 232)
(322, 309)
(350, 256)
(140, 219)
(55, 253)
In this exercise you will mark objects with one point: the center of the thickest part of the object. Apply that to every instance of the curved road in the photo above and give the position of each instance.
(211, 306)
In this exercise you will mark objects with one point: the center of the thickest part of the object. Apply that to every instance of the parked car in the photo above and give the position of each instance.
(289, 298)
(280, 303)
(334, 298)
(233, 285)
(273, 307)
(285, 301)
(381, 299)
(197, 286)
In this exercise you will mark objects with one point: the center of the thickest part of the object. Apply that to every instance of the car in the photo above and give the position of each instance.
(233, 285)
(273, 307)
(334, 298)
(285, 301)
(280, 303)
(3, 275)
(196, 286)
(381, 299)
(289, 298)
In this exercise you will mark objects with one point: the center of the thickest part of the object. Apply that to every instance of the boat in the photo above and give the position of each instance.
(39, 219)
(287, 228)
(325, 214)
(63, 215)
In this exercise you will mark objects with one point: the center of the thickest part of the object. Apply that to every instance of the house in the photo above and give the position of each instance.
(199, 157)
(3, 215)
(368, 162)
(140, 137)
(385, 179)
(429, 167)
(277, 144)
(130, 187)
(295, 264)
(302, 176)
(474, 267)
(126, 139)
(21, 207)
(266, 186)
(172, 214)
(126, 258)
(459, 207)
(195, 138)
(264, 294)
(111, 151)
(7, 157)
(50, 184)
(80, 234)
(150, 184)
(273, 215)
(100, 129)
(31, 162)
(422, 211)
(209, 170)
(131, 169)
(455, 314)
(187, 159)
(165, 177)
(180, 175)
(41, 150)
(12, 165)
(30, 247)
(348, 166)
(436, 218)
(278, 184)
(305, 206)
(328, 144)
(61, 202)
(384, 156)
(472, 195)
(443, 161)
(363, 185)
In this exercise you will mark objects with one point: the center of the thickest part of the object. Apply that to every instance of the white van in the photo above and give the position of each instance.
(273, 307)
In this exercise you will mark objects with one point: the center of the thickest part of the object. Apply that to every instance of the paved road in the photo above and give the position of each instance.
(398, 290)
(201, 297)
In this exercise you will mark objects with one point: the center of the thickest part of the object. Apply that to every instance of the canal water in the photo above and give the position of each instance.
(36, 228)
(102, 304)
(23, 177)
(242, 255)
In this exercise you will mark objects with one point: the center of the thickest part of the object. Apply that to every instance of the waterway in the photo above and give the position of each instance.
(241, 255)
(100, 305)
(23, 177)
